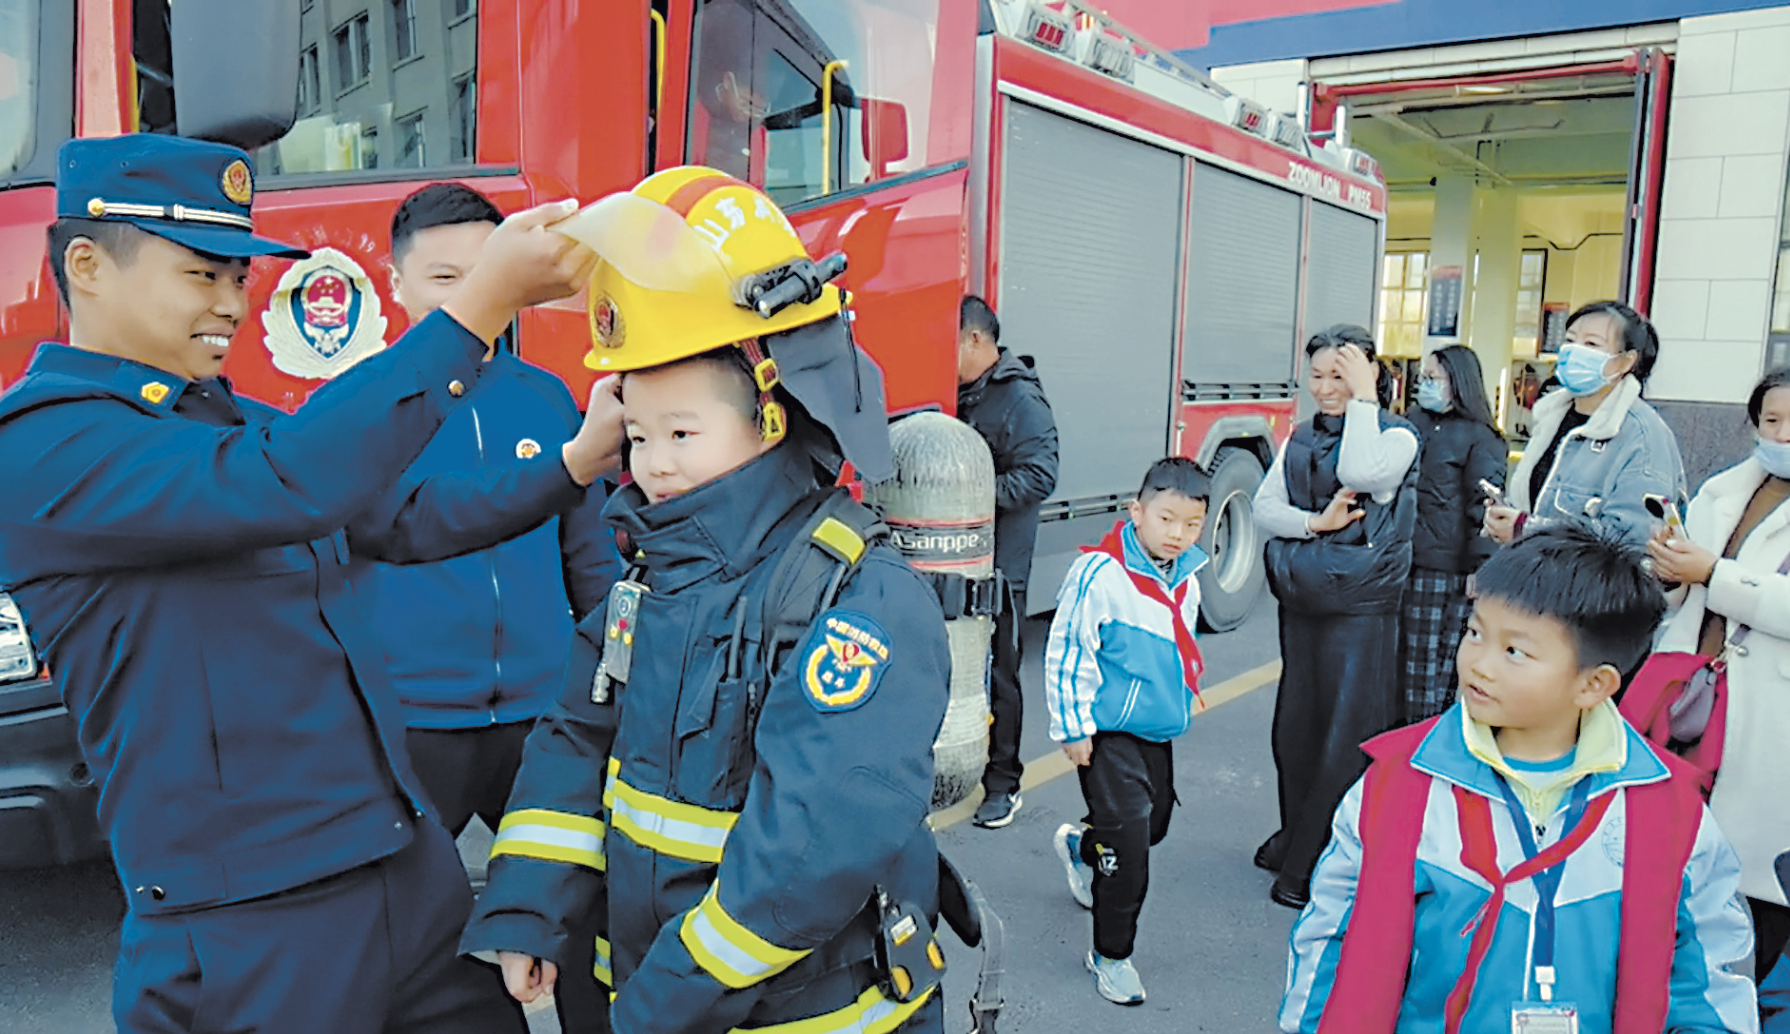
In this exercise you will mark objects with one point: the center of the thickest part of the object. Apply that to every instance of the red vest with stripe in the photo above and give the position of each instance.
(1367, 993)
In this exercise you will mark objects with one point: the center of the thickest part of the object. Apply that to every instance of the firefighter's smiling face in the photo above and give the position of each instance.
(688, 423)
(156, 302)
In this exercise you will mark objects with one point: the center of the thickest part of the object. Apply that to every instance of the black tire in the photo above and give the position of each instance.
(1232, 581)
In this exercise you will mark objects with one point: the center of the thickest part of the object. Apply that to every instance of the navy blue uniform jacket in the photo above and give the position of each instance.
(181, 560)
(480, 639)
(734, 864)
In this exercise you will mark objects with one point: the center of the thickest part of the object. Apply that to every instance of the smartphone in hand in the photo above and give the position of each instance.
(1665, 511)
(1494, 496)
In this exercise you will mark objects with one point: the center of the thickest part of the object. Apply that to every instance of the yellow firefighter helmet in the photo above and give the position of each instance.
(692, 260)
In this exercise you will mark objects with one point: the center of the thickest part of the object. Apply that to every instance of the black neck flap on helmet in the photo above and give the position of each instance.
(840, 390)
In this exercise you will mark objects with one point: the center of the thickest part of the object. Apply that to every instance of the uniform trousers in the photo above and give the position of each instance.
(1006, 704)
(1129, 787)
(369, 951)
(469, 772)
(1338, 688)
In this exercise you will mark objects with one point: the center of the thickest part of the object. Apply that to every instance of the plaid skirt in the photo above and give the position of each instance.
(1434, 615)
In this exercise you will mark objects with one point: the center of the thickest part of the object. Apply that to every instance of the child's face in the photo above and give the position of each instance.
(1168, 523)
(682, 430)
(1520, 671)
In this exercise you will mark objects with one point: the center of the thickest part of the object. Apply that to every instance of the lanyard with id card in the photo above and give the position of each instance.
(1545, 1016)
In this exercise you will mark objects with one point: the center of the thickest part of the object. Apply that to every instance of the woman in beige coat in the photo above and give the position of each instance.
(1737, 537)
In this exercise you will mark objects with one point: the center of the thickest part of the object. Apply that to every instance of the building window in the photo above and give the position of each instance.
(1402, 295)
(369, 147)
(310, 82)
(354, 54)
(403, 30)
(1531, 279)
(410, 142)
(463, 120)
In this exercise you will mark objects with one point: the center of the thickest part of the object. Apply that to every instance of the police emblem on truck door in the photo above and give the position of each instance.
(323, 317)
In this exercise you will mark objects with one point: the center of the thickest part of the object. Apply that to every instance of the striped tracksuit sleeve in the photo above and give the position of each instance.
(1071, 656)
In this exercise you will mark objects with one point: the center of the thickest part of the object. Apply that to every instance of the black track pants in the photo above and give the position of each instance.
(1130, 789)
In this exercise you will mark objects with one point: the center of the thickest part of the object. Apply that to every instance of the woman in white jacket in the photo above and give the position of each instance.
(1737, 536)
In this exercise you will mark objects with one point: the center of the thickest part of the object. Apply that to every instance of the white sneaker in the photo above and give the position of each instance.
(1116, 980)
(1067, 841)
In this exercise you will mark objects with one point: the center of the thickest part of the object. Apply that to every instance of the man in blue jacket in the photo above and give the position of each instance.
(181, 557)
(476, 643)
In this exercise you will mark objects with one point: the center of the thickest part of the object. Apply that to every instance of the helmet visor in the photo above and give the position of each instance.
(649, 245)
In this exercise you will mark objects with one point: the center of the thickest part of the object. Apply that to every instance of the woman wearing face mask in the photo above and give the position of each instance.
(1737, 536)
(1461, 448)
(1598, 449)
(1338, 506)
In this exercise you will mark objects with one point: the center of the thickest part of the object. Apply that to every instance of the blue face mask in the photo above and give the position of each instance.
(1432, 396)
(1581, 369)
(1774, 457)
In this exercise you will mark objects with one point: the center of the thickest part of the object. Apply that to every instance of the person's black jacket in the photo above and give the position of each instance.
(1457, 454)
(1007, 408)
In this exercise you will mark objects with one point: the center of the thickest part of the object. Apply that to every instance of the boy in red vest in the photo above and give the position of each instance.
(1539, 866)
(1121, 678)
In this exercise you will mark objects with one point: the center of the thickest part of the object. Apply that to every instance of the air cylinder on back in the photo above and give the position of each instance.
(939, 507)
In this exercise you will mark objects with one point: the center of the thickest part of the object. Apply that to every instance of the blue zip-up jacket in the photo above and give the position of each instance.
(1713, 935)
(181, 559)
(1111, 664)
(480, 639)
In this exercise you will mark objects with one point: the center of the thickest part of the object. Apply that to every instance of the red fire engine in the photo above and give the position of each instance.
(1158, 244)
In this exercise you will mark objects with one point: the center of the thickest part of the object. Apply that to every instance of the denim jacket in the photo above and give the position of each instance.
(1603, 470)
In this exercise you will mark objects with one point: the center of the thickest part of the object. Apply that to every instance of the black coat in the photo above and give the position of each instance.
(1457, 454)
(1007, 408)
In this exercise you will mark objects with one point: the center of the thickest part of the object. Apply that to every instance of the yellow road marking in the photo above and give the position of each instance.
(1056, 764)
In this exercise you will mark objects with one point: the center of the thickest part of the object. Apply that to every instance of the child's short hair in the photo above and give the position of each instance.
(1589, 580)
(1175, 474)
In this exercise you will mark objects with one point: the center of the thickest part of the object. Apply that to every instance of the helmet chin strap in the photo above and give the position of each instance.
(773, 421)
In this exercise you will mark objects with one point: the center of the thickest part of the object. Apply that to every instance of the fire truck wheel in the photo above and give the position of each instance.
(1233, 580)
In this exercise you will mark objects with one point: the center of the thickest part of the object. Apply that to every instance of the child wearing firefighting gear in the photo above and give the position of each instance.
(1121, 679)
(737, 775)
(1525, 861)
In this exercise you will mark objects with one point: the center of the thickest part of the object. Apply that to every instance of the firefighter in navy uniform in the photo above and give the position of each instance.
(739, 768)
(180, 555)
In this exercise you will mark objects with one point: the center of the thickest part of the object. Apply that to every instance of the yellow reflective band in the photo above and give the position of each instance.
(669, 827)
(870, 1014)
(730, 953)
(554, 836)
(602, 970)
(838, 538)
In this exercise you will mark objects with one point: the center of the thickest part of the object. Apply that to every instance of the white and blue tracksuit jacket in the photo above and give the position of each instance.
(1713, 936)
(1111, 664)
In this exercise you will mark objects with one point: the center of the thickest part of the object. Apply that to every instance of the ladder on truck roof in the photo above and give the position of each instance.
(1082, 34)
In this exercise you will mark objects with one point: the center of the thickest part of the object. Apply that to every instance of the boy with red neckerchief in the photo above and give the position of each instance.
(1538, 864)
(1121, 680)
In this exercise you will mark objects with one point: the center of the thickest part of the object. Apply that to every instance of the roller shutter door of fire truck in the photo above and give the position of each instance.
(1341, 268)
(1090, 227)
(1242, 286)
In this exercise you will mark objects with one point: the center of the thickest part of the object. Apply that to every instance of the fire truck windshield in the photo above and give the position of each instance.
(18, 82)
(807, 97)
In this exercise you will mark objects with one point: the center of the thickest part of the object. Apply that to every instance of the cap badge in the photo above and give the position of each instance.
(527, 449)
(96, 208)
(155, 393)
(239, 183)
(323, 317)
(606, 323)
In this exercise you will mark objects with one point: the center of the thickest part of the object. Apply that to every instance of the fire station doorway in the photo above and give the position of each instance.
(1514, 198)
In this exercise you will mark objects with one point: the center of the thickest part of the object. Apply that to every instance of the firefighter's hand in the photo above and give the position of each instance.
(1080, 751)
(526, 977)
(597, 448)
(523, 263)
(1500, 523)
(1338, 515)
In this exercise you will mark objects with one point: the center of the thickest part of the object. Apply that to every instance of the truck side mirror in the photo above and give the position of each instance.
(884, 126)
(235, 69)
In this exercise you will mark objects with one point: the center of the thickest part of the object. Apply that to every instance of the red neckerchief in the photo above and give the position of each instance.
(1368, 990)
(1192, 664)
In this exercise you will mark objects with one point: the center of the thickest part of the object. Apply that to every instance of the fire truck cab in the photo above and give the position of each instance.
(1161, 246)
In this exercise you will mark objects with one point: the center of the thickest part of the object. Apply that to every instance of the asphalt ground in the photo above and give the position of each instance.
(1211, 947)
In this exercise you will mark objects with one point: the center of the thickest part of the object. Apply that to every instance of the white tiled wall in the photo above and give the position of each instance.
(1726, 152)
(1274, 83)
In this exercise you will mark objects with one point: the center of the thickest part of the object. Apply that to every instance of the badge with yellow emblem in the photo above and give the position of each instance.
(238, 182)
(846, 656)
